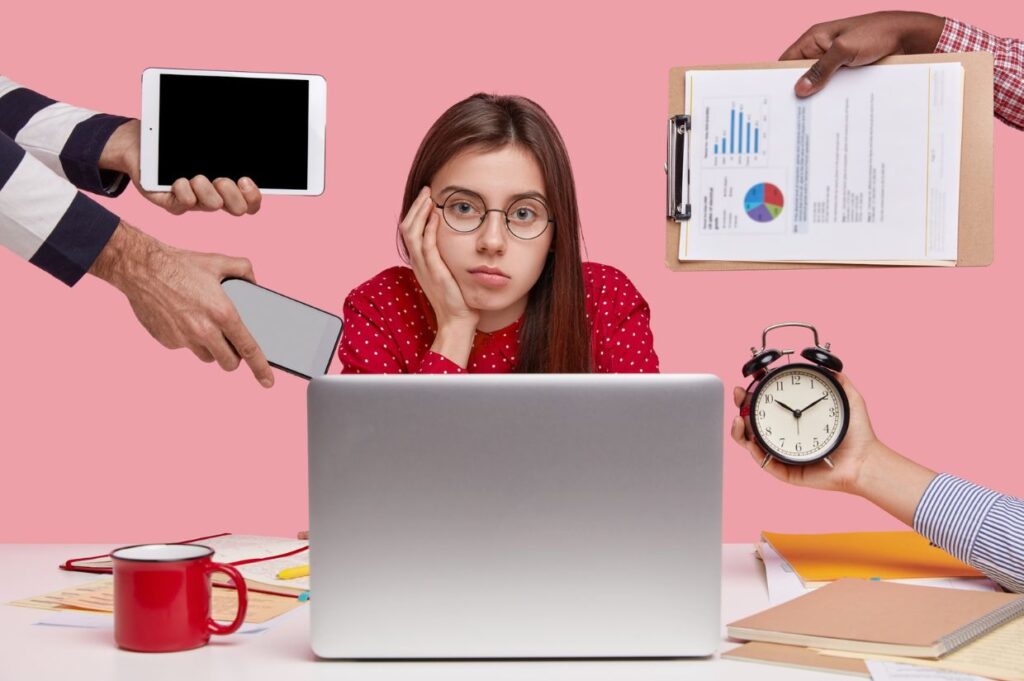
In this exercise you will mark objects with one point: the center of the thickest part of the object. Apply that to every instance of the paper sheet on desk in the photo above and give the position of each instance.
(239, 547)
(266, 572)
(867, 171)
(98, 596)
(998, 654)
(93, 620)
(895, 671)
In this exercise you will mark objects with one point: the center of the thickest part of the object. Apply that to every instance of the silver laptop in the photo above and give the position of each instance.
(522, 516)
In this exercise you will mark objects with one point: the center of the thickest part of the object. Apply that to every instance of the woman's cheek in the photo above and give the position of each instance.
(446, 250)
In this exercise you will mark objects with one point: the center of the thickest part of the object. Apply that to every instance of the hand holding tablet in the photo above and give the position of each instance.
(122, 154)
(267, 127)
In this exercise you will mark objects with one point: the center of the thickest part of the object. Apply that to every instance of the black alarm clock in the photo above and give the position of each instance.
(798, 411)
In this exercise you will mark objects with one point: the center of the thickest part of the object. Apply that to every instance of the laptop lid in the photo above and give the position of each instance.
(515, 516)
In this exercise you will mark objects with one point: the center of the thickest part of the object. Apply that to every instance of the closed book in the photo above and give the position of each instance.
(882, 618)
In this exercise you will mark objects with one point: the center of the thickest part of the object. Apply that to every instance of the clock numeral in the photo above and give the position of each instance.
(832, 412)
(768, 430)
(782, 442)
(769, 399)
(794, 379)
(812, 384)
(760, 414)
(780, 386)
(799, 446)
(824, 393)
(816, 443)
(826, 429)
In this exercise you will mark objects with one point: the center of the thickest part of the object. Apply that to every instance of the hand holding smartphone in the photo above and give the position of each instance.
(295, 337)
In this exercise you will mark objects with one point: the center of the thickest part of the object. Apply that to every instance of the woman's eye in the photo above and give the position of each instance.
(463, 207)
(524, 214)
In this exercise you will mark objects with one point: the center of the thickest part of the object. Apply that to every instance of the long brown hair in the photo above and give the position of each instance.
(555, 336)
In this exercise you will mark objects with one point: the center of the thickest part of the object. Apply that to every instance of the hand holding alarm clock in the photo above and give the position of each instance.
(799, 414)
(793, 395)
(854, 461)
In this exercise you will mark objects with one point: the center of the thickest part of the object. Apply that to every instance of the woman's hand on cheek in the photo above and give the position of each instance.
(419, 229)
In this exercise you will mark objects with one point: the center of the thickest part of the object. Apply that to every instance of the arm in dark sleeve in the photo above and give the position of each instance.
(44, 220)
(66, 139)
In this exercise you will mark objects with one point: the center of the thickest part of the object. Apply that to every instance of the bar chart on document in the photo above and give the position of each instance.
(748, 198)
(866, 171)
(742, 133)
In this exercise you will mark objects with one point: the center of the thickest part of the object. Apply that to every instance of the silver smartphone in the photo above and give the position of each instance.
(295, 337)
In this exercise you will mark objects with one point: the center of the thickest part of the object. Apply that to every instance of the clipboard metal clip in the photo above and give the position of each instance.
(677, 168)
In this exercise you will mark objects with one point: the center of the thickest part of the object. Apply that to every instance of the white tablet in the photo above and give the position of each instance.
(266, 126)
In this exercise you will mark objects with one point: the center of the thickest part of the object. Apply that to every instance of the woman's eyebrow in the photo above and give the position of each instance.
(529, 195)
(515, 197)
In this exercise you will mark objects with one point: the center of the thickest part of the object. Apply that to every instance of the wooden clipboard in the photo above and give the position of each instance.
(974, 241)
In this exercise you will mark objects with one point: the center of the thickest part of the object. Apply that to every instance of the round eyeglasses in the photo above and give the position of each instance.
(525, 218)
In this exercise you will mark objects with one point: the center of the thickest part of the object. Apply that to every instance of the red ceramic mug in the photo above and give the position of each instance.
(162, 597)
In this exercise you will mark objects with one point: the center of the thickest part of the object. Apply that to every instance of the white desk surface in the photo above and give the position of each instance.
(38, 653)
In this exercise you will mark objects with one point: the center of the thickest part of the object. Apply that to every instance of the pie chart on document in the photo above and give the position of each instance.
(763, 202)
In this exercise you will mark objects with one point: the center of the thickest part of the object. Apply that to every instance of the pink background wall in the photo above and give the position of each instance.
(106, 436)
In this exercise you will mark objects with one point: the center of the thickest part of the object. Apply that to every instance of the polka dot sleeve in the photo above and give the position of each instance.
(436, 363)
(623, 341)
(367, 346)
(370, 346)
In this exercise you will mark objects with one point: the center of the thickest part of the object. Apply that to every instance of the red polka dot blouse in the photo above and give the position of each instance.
(389, 328)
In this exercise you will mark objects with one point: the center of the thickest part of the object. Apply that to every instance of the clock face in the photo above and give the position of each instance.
(799, 413)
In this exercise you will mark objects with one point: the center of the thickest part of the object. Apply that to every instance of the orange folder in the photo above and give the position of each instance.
(821, 558)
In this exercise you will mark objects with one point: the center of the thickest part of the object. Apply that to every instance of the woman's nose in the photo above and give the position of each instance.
(493, 234)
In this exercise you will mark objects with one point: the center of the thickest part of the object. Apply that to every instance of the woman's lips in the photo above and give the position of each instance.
(490, 276)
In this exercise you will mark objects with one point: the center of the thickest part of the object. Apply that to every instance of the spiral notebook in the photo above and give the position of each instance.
(882, 618)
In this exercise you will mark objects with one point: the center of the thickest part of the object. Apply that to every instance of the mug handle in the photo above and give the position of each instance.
(243, 599)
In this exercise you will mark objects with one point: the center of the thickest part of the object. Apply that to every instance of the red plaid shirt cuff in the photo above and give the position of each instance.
(1008, 62)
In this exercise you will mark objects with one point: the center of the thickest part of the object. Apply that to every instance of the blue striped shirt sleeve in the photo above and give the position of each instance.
(981, 527)
(66, 139)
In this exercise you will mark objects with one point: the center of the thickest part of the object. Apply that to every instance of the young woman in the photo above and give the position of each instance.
(495, 282)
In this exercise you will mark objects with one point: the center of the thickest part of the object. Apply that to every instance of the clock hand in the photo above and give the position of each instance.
(785, 406)
(796, 413)
(814, 403)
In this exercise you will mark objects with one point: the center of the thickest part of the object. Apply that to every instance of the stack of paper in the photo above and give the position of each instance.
(866, 172)
(98, 597)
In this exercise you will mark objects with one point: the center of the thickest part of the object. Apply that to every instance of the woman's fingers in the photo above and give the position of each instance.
(431, 255)
(413, 225)
(738, 395)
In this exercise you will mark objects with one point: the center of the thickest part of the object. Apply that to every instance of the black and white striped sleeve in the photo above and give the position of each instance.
(46, 149)
(45, 220)
(66, 139)
(981, 527)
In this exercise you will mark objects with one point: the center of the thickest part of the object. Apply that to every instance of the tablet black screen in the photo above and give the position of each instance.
(222, 126)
